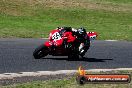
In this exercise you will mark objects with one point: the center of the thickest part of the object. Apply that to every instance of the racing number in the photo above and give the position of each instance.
(56, 36)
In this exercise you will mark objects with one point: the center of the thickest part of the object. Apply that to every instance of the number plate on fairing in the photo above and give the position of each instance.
(56, 36)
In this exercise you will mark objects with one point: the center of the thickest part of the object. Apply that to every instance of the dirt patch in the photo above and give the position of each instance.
(17, 7)
(81, 4)
(11, 11)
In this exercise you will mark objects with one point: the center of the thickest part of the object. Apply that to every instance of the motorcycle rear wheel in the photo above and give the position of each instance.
(73, 56)
(41, 51)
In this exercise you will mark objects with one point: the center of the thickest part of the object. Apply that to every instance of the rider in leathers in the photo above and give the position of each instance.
(70, 35)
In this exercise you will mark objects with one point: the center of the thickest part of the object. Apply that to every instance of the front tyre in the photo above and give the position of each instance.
(41, 51)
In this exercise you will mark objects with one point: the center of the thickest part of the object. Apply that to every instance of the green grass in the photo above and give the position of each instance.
(28, 20)
(71, 83)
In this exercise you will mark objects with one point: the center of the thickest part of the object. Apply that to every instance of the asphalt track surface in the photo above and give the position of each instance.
(16, 56)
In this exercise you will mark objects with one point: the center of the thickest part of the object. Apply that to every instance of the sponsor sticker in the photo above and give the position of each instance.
(83, 78)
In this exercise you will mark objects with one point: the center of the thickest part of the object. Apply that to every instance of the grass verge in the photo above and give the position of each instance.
(71, 83)
(35, 19)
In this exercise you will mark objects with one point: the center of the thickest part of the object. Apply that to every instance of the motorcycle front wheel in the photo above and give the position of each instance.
(41, 51)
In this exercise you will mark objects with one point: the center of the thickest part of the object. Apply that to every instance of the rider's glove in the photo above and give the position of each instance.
(82, 52)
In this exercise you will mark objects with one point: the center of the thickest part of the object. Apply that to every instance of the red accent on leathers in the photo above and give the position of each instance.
(70, 37)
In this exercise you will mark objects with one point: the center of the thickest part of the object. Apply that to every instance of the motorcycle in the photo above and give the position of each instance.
(58, 46)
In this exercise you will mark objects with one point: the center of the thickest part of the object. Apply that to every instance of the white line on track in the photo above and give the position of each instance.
(47, 73)
(111, 40)
(44, 38)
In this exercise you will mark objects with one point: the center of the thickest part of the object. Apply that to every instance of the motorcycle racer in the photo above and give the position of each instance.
(85, 41)
(65, 41)
(70, 35)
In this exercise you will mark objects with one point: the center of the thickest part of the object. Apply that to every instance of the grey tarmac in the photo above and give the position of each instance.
(16, 56)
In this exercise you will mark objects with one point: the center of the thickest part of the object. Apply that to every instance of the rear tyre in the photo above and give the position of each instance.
(40, 52)
(73, 56)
